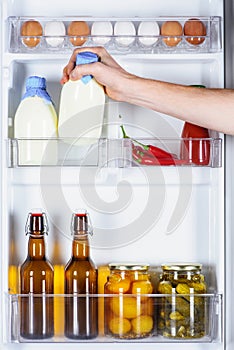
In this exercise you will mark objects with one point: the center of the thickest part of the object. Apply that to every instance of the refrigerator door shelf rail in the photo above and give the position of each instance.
(115, 153)
(119, 35)
(206, 307)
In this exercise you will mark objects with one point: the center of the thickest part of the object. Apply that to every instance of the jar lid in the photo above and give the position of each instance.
(128, 266)
(181, 267)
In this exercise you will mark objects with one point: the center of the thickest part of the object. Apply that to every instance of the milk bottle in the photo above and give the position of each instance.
(82, 107)
(35, 123)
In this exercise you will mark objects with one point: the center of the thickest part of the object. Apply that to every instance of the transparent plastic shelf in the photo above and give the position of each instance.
(120, 153)
(118, 35)
(43, 318)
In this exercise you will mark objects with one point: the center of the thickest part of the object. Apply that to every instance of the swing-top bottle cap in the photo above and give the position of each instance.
(81, 224)
(35, 82)
(37, 223)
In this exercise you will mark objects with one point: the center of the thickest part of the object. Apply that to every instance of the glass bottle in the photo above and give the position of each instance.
(82, 105)
(81, 316)
(36, 283)
(36, 124)
(195, 148)
(184, 314)
(129, 310)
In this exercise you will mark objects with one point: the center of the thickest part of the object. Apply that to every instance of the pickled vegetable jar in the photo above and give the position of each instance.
(128, 305)
(183, 311)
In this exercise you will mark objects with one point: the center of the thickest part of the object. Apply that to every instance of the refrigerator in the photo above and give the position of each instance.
(144, 214)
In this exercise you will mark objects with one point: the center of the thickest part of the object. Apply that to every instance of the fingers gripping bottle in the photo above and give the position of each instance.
(35, 124)
(82, 104)
(36, 283)
(81, 283)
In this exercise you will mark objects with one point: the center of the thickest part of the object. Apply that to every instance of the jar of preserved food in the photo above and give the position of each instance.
(128, 306)
(184, 313)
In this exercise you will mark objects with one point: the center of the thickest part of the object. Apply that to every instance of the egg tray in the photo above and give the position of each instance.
(121, 43)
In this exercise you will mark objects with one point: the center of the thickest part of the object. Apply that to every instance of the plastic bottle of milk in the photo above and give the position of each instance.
(82, 107)
(35, 123)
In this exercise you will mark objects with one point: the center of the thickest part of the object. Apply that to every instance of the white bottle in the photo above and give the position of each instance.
(81, 108)
(35, 124)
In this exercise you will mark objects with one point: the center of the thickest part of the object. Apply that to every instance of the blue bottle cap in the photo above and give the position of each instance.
(36, 86)
(35, 82)
(84, 58)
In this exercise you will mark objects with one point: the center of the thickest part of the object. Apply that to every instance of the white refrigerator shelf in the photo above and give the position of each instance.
(204, 323)
(120, 153)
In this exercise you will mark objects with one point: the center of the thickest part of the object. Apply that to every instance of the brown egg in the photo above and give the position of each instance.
(171, 31)
(78, 30)
(195, 28)
(33, 30)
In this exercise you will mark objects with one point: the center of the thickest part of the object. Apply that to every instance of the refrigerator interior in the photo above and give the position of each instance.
(149, 214)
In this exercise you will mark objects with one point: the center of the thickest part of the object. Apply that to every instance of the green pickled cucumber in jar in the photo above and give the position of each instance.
(182, 309)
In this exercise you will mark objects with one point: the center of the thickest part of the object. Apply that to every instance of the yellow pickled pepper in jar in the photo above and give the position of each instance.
(58, 288)
(13, 279)
(58, 300)
(129, 310)
(103, 273)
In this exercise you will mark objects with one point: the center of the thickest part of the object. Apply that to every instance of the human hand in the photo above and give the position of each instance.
(107, 72)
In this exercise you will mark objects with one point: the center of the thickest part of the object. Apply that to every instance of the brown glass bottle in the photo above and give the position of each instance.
(36, 282)
(80, 284)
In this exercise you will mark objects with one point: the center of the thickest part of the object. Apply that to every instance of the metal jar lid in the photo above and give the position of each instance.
(128, 266)
(180, 267)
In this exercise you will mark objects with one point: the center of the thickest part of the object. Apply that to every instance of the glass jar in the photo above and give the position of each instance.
(184, 313)
(128, 306)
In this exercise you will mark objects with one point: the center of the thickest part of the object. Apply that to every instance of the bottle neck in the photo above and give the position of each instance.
(36, 247)
(80, 247)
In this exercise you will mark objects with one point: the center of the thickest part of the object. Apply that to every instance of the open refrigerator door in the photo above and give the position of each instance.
(154, 213)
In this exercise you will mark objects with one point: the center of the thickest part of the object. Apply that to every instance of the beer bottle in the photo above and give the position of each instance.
(36, 283)
(80, 283)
